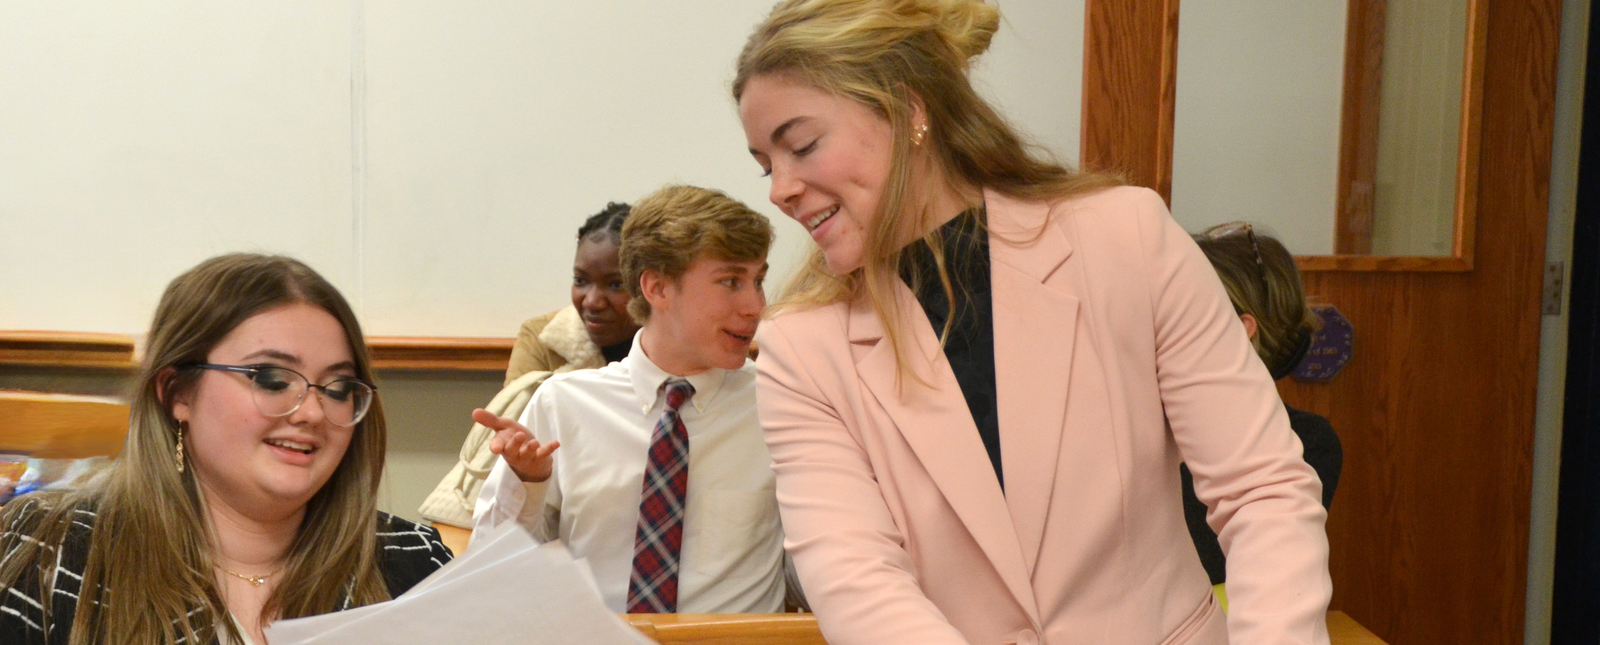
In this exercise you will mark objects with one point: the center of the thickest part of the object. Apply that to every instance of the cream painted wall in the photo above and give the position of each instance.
(1256, 128)
(139, 138)
(432, 159)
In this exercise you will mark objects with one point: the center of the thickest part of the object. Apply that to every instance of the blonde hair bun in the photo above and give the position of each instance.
(967, 26)
(862, 27)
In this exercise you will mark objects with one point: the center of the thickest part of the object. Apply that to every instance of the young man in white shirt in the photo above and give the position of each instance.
(662, 480)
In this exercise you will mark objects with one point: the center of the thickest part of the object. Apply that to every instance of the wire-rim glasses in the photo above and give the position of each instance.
(280, 391)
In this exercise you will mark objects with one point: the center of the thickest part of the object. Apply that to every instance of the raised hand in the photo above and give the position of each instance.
(528, 459)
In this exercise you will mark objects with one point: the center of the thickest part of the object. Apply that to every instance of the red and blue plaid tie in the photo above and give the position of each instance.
(653, 588)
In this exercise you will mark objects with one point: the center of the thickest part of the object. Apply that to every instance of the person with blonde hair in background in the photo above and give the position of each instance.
(1264, 286)
(247, 488)
(653, 468)
(978, 390)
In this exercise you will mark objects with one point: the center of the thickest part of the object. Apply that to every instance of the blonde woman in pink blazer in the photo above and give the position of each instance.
(1003, 469)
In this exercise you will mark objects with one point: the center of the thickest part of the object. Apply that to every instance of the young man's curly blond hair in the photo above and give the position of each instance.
(673, 226)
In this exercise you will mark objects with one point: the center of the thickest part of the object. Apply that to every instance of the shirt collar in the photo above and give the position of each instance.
(648, 378)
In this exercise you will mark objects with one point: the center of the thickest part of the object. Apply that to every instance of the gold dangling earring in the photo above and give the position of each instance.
(921, 131)
(182, 426)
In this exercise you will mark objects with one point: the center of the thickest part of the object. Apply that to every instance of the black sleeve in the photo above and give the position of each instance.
(1205, 540)
(1322, 452)
(408, 552)
(1322, 449)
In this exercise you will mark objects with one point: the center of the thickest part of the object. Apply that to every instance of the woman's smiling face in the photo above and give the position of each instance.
(828, 158)
(244, 458)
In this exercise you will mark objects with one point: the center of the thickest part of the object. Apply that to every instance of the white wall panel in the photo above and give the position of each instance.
(1256, 132)
(137, 139)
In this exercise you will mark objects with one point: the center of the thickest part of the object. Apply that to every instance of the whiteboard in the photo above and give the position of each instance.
(433, 159)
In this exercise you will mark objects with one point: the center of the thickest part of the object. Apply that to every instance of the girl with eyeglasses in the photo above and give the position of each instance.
(246, 490)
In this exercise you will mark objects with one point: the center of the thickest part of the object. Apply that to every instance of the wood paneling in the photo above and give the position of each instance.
(1429, 529)
(1130, 71)
(116, 351)
(1358, 127)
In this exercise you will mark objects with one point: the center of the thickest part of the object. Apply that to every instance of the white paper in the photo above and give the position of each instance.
(506, 589)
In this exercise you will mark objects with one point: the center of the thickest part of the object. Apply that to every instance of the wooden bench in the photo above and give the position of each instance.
(61, 426)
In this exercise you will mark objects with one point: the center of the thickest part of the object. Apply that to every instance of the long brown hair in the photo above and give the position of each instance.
(893, 56)
(151, 545)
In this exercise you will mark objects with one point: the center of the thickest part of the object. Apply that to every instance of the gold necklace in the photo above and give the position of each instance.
(255, 581)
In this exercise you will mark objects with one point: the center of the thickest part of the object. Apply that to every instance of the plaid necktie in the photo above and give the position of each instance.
(653, 588)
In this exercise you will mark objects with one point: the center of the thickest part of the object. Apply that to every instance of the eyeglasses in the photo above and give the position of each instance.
(1230, 229)
(280, 391)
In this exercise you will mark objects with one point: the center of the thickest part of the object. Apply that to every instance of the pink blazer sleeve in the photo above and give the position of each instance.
(836, 524)
(1233, 431)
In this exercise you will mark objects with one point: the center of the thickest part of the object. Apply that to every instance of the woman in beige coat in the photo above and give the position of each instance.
(978, 392)
(594, 331)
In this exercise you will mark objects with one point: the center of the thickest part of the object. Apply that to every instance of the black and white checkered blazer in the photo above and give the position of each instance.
(408, 552)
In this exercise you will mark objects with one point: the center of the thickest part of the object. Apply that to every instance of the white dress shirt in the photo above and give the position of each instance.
(732, 556)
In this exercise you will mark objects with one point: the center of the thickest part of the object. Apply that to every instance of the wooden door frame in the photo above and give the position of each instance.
(1429, 530)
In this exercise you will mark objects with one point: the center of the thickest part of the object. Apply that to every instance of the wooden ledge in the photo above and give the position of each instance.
(66, 349)
(801, 629)
(728, 629)
(81, 350)
(438, 353)
(1381, 264)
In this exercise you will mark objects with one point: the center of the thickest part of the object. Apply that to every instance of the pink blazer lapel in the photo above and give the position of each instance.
(1034, 327)
(939, 428)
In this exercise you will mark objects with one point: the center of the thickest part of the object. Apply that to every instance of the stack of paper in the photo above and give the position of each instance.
(506, 589)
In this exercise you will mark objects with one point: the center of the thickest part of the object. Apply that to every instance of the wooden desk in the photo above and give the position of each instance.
(801, 629)
(1344, 630)
(728, 629)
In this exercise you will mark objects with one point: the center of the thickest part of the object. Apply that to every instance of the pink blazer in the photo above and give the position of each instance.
(1117, 355)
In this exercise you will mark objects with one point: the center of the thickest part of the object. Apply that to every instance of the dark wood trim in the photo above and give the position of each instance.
(66, 349)
(1380, 263)
(1469, 159)
(1130, 71)
(424, 353)
(116, 351)
(1358, 126)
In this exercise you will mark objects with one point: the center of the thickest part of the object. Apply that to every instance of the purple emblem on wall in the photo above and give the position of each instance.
(1330, 348)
